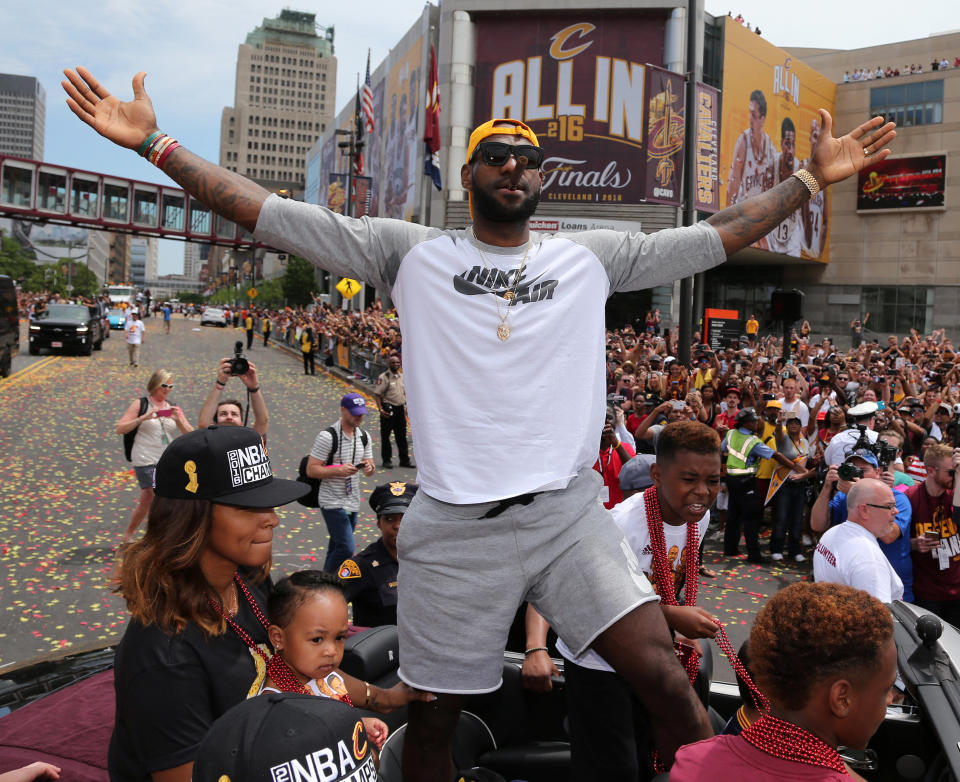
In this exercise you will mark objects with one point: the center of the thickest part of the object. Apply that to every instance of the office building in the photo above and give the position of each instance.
(283, 100)
(23, 106)
(143, 259)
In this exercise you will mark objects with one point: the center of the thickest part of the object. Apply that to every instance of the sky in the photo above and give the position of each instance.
(189, 49)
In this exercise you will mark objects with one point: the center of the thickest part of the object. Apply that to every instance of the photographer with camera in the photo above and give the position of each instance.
(230, 412)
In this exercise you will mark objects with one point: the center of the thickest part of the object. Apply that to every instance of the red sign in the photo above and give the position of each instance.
(707, 141)
(903, 183)
(579, 80)
(665, 132)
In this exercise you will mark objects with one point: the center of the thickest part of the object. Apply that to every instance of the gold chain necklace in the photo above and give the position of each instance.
(503, 327)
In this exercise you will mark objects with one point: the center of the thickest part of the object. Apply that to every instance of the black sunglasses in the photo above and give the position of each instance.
(497, 153)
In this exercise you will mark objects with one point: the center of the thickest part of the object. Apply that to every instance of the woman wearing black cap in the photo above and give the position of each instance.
(195, 586)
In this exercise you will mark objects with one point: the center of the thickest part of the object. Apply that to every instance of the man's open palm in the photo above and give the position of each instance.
(126, 124)
(835, 159)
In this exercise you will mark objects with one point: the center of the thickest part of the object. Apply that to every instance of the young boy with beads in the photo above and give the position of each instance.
(663, 527)
(823, 655)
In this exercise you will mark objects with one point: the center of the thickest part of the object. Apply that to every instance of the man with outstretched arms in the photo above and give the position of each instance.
(500, 481)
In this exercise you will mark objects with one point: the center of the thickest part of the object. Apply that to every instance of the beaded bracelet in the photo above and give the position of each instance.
(535, 649)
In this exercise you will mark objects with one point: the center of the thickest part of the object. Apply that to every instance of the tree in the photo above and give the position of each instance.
(269, 294)
(15, 261)
(298, 281)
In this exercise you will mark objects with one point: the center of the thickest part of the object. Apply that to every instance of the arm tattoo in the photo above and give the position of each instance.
(228, 194)
(742, 224)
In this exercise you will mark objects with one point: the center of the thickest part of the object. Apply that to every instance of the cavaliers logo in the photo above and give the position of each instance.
(665, 135)
(359, 750)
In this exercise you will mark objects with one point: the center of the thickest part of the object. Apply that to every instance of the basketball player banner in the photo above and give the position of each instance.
(769, 125)
(665, 133)
(903, 183)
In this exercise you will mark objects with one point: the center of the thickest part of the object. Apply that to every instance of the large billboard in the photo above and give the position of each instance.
(579, 80)
(402, 147)
(770, 122)
(903, 183)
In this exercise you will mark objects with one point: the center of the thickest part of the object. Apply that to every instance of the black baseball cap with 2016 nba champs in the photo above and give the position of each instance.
(224, 464)
(284, 737)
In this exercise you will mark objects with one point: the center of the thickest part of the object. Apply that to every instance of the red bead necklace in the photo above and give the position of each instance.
(783, 739)
(277, 668)
(663, 575)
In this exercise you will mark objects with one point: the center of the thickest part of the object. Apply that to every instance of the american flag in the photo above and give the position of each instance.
(366, 98)
(431, 133)
(358, 135)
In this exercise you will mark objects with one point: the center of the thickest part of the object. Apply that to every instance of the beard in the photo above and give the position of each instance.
(491, 209)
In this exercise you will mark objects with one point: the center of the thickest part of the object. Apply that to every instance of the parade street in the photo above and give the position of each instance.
(68, 491)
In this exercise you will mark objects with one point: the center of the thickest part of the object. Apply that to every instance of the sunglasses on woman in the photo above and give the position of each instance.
(166, 385)
(497, 153)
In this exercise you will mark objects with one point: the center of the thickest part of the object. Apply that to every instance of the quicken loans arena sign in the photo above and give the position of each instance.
(611, 125)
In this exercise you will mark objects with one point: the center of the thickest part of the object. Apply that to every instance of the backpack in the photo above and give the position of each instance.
(310, 499)
(130, 436)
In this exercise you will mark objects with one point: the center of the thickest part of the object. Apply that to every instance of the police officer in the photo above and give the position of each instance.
(370, 578)
(743, 450)
(842, 444)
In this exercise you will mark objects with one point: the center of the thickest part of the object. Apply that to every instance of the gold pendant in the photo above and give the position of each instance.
(508, 295)
(503, 332)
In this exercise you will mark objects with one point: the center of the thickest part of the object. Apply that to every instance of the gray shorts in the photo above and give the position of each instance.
(145, 475)
(462, 579)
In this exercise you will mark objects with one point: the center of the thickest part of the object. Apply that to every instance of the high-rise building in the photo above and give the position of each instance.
(283, 100)
(23, 108)
(194, 256)
(144, 254)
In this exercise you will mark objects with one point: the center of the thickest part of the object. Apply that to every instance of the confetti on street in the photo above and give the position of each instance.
(68, 491)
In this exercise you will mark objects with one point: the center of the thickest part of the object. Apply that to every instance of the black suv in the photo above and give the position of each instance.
(66, 327)
(9, 324)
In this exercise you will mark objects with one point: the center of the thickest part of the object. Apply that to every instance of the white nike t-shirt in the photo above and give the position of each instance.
(495, 418)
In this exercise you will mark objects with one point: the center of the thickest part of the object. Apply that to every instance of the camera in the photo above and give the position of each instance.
(863, 442)
(849, 472)
(239, 364)
(616, 399)
(886, 453)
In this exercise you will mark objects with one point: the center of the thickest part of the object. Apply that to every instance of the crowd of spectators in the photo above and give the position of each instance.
(740, 20)
(887, 72)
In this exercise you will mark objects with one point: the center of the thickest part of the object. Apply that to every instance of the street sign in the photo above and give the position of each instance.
(252, 293)
(348, 288)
